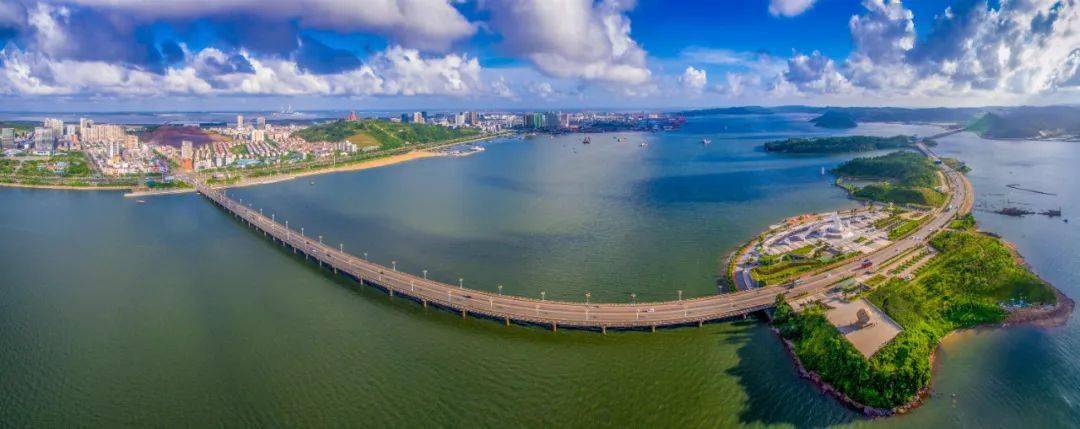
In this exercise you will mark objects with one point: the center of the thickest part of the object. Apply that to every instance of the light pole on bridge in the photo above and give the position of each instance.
(500, 290)
(320, 239)
(461, 283)
(587, 296)
(394, 264)
(633, 298)
(341, 247)
(301, 231)
(680, 295)
(365, 256)
(543, 295)
(425, 274)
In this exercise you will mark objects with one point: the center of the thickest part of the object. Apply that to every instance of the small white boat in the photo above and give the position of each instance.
(705, 141)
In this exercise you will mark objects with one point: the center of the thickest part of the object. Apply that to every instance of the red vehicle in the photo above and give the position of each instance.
(866, 263)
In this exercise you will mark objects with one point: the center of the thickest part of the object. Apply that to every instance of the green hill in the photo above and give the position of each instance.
(901, 168)
(839, 144)
(906, 178)
(835, 120)
(383, 134)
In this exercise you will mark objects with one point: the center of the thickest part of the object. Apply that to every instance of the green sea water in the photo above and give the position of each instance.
(171, 313)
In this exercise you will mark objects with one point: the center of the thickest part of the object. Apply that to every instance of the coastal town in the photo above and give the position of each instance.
(143, 156)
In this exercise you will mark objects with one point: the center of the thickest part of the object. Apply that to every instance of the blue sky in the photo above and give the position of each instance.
(523, 54)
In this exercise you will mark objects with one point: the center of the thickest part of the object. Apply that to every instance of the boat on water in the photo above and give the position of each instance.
(140, 201)
(705, 141)
(643, 144)
(587, 140)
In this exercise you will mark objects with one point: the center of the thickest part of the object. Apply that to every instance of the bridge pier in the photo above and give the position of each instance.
(654, 328)
(603, 330)
(554, 327)
(506, 320)
(700, 323)
(391, 293)
(424, 302)
(462, 314)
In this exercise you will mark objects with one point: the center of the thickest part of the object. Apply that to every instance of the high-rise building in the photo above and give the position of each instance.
(405, 118)
(7, 138)
(472, 118)
(239, 122)
(187, 155)
(44, 138)
(84, 127)
(418, 117)
(56, 125)
(534, 121)
(551, 120)
(258, 136)
(260, 123)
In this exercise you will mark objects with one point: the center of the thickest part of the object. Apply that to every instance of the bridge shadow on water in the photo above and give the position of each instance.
(776, 395)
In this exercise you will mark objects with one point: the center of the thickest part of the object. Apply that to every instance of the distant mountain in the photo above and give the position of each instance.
(835, 120)
(1020, 122)
(1028, 122)
(742, 110)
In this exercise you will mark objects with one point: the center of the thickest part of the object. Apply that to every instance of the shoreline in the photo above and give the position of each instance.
(1045, 318)
(132, 192)
(66, 187)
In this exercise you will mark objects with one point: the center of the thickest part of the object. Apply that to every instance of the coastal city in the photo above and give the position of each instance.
(152, 154)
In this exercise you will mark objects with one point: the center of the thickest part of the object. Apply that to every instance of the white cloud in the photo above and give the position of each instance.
(423, 24)
(1009, 54)
(544, 90)
(572, 38)
(693, 79)
(789, 8)
(395, 71)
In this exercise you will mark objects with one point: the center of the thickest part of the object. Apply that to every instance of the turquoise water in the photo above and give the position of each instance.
(171, 313)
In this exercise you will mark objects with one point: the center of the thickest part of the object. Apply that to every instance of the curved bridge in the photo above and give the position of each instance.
(553, 314)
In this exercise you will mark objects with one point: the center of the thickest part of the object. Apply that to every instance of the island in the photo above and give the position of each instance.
(868, 335)
(901, 177)
(835, 120)
(839, 144)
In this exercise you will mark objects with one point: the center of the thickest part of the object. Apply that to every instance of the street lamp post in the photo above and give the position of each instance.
(394, 265)
(341, 247)
(543, 295)
(680, 295)
(320, 239)
(633, 298)
(500, 290)
(365, 256)
(461, 283)
(425, 274)
(301, 231)
(587, 296)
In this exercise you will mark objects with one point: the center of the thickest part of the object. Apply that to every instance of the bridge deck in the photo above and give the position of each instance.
(561, 313)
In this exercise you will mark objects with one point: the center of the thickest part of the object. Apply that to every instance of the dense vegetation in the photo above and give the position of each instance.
(835, 120)
(964, 286)
(905, 178)
(1027, 122)
(900, 168)
(839, 144)
(885, 192)
(383, 134)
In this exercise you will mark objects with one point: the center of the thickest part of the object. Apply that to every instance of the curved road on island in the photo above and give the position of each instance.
(554, 314)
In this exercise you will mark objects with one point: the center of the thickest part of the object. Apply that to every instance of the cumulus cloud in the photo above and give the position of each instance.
(789, 8)
(422, 24)
(693, 79)
(1001, 53)
(572, 38)
(815, 73)
(395, 71)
